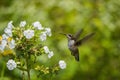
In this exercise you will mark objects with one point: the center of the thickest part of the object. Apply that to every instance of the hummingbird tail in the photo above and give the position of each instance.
(76, 57)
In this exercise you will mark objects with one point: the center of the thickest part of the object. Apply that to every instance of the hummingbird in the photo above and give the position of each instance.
(74, 42)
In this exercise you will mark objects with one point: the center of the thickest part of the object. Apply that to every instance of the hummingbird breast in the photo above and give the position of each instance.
(71, 43)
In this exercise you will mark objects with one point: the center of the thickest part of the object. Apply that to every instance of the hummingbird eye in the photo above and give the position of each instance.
(70, 35)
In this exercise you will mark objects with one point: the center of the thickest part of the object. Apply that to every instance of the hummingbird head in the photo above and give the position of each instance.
(69, 36)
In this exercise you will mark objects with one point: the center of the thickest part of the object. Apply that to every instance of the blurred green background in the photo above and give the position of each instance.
(99, 57)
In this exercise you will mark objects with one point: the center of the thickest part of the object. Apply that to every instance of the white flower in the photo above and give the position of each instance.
(50, 54)
(22, 23)
(48, 31)
(37, 25)
(43, 37)
(3, 42)
(9, 26)
(29, 33)
(46, 49)
(2, 48)
(62, 64)
(5, 37)
(11, 64)
(12, 44)
(2, 45)
(8, 31)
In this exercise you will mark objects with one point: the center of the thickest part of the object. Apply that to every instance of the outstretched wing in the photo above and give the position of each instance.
(76, 36)
(84, 39)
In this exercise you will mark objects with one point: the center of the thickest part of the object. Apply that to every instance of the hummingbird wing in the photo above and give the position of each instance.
(76, 36)
(84, 39)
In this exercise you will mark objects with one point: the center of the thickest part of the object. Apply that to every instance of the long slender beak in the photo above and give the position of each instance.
(63, 34)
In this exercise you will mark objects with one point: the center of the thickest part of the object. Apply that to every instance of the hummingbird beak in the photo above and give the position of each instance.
(63, 34)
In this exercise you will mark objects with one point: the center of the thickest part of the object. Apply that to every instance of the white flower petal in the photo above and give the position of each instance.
(3, 44)
(62, 64)
(29, 34)
(50, 54)
(48, 31)
(43, 37)
(22, 23)
(12, 44)
(11, 64)
(8, 32)
(2, 48)
(5, 37)
(37, 25)
(46, 49)
(10, 26)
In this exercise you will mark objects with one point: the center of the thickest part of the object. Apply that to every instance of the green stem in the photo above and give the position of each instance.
(3, 70)
(28, 70)
(23, 75)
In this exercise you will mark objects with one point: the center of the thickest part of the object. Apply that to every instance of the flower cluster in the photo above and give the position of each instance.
(10, 40)
(26, 42)
(6, 38)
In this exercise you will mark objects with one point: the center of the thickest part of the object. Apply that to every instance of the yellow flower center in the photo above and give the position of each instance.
(9, 39)
(0, 38)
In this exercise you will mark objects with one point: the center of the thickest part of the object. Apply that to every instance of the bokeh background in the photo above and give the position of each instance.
(99, 57)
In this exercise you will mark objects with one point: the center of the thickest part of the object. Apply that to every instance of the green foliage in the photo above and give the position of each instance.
(99, 57)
